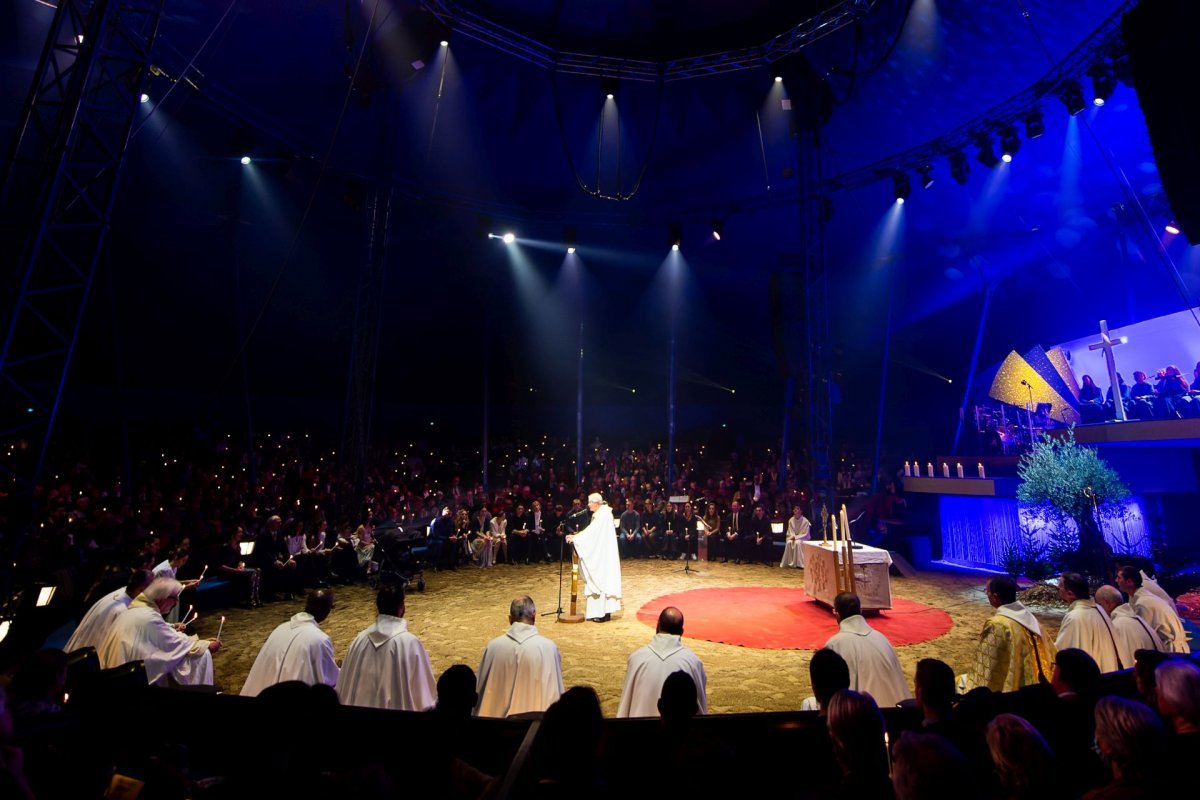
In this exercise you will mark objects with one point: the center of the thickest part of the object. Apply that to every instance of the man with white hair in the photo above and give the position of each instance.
(1157, 613)
(1132, 632)
(521, 670)
(599, 561)
(141, 634)
(95, 623)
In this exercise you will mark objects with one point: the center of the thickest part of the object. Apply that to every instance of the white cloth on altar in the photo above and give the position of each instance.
(141, 634)
(99, 618)
(1162, 618)
(297, 650)
(797, 533)
(600, 563)
(863, 554)
(874, 667)
(1133, 634)
(647, 669)
(387, 667)
(520, 671)
(1087, 627)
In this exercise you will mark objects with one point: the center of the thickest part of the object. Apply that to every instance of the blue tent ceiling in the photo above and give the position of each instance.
(515, 143)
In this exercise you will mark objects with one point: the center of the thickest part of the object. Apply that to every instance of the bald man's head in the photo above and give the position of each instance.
(670, 621)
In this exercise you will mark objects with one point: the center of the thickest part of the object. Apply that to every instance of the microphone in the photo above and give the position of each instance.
(1024, 383)
(578, 513)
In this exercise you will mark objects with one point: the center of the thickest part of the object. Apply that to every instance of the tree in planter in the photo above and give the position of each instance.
(1063, 482)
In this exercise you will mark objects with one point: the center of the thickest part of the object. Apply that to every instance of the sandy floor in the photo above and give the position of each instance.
(461, 610)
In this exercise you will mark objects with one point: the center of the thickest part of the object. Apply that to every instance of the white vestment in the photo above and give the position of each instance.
(1086, 626)
(297, 650)
(797, 532)
(647, 670)
(1162, 618)
(600, 563)
(387, 667)
(1151, 586)
(165, 570)
(96, 622)
(874, 667)
(141, 634)
(1133, 634)
(521, 671)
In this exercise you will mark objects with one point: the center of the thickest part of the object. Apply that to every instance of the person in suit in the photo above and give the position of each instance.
(731, 533)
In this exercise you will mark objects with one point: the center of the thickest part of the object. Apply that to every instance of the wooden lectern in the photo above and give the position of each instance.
(573, 615)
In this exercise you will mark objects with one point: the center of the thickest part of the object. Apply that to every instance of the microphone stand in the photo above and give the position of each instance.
(1029, 413)
(562, 541)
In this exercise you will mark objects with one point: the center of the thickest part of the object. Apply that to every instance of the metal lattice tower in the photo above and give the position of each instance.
(57, 190)
(364, 349)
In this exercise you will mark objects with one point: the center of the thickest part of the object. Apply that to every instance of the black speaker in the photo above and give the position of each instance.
(1161, 38)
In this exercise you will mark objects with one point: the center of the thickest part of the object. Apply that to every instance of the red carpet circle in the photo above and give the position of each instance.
(785, 619)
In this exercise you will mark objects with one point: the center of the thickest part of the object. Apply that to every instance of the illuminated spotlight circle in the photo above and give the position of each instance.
(144, 98)
(245, 160)
(779, 79)
(1172, 228)
(509, 238)
(1006, 158)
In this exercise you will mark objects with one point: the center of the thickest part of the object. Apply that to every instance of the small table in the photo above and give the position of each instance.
(872, 582)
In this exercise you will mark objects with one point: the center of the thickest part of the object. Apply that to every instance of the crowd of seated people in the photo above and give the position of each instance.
(1170, 396)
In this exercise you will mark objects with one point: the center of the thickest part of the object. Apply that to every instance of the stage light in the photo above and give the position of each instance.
(674, 235)
(1035, 126)
(570, 238)
(960, 168)
(1072, 97)
(79, 38)
(1010, 143)
(1172, 229)
(245, 161)
(1103, 83)
(675, 248)
(145, 98)
(901, 186)
(718, 227)
(986, 156)
(570, 250)
(608, 85)
(509, 238)
(926, 173)
(444, 43)
(779, 79)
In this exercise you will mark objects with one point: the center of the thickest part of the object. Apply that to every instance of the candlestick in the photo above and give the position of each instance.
(907, 470)
(945, 470)
(981, 472)
(960, 470)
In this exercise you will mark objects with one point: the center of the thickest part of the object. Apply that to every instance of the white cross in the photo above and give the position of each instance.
(1107, 343)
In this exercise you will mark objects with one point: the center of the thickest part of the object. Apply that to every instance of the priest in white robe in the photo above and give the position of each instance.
(599, 561)
(141, 634)
(297, 650)
(521, 670)
(1157, 613)
(798, 529)
(650, 665)
(874, 667)
(1132, 632)
(1086, 626)
(386, 666)
(94, 626)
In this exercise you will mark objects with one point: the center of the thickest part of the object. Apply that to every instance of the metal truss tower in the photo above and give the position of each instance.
(58, 185)
(364, 350)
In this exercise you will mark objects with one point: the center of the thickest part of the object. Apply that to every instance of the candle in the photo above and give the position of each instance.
(960, 469)
(929, 469)
(945, 470)
(981, 472)
(220, 629)
(907, 470)
(916, 470)
(846, 526)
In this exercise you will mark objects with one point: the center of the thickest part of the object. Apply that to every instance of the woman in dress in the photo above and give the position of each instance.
(797, 532)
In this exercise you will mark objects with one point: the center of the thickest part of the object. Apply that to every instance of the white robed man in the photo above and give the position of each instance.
(1086, 626)
(599, 561)
(521, 670)
(1157, 613)
(1013, 650)
(1132, 632)
(141, 634)
(168, 568)
(650, 665)
(297, 650)
(798, 528)
(874, 667)
(91, 630)
(386, 666)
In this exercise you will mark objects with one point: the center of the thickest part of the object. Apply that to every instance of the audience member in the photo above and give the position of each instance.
(928, 767)
(1178, 693)
(856, 728)
(1131, 740)
(1025, 766)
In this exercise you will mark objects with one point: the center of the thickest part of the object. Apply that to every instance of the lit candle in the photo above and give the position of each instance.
(929, 469)
(960, 469)
(907, 470)
(981, 472)
(846, 526)
(916, 469)
(945, 470)
(220, 629)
